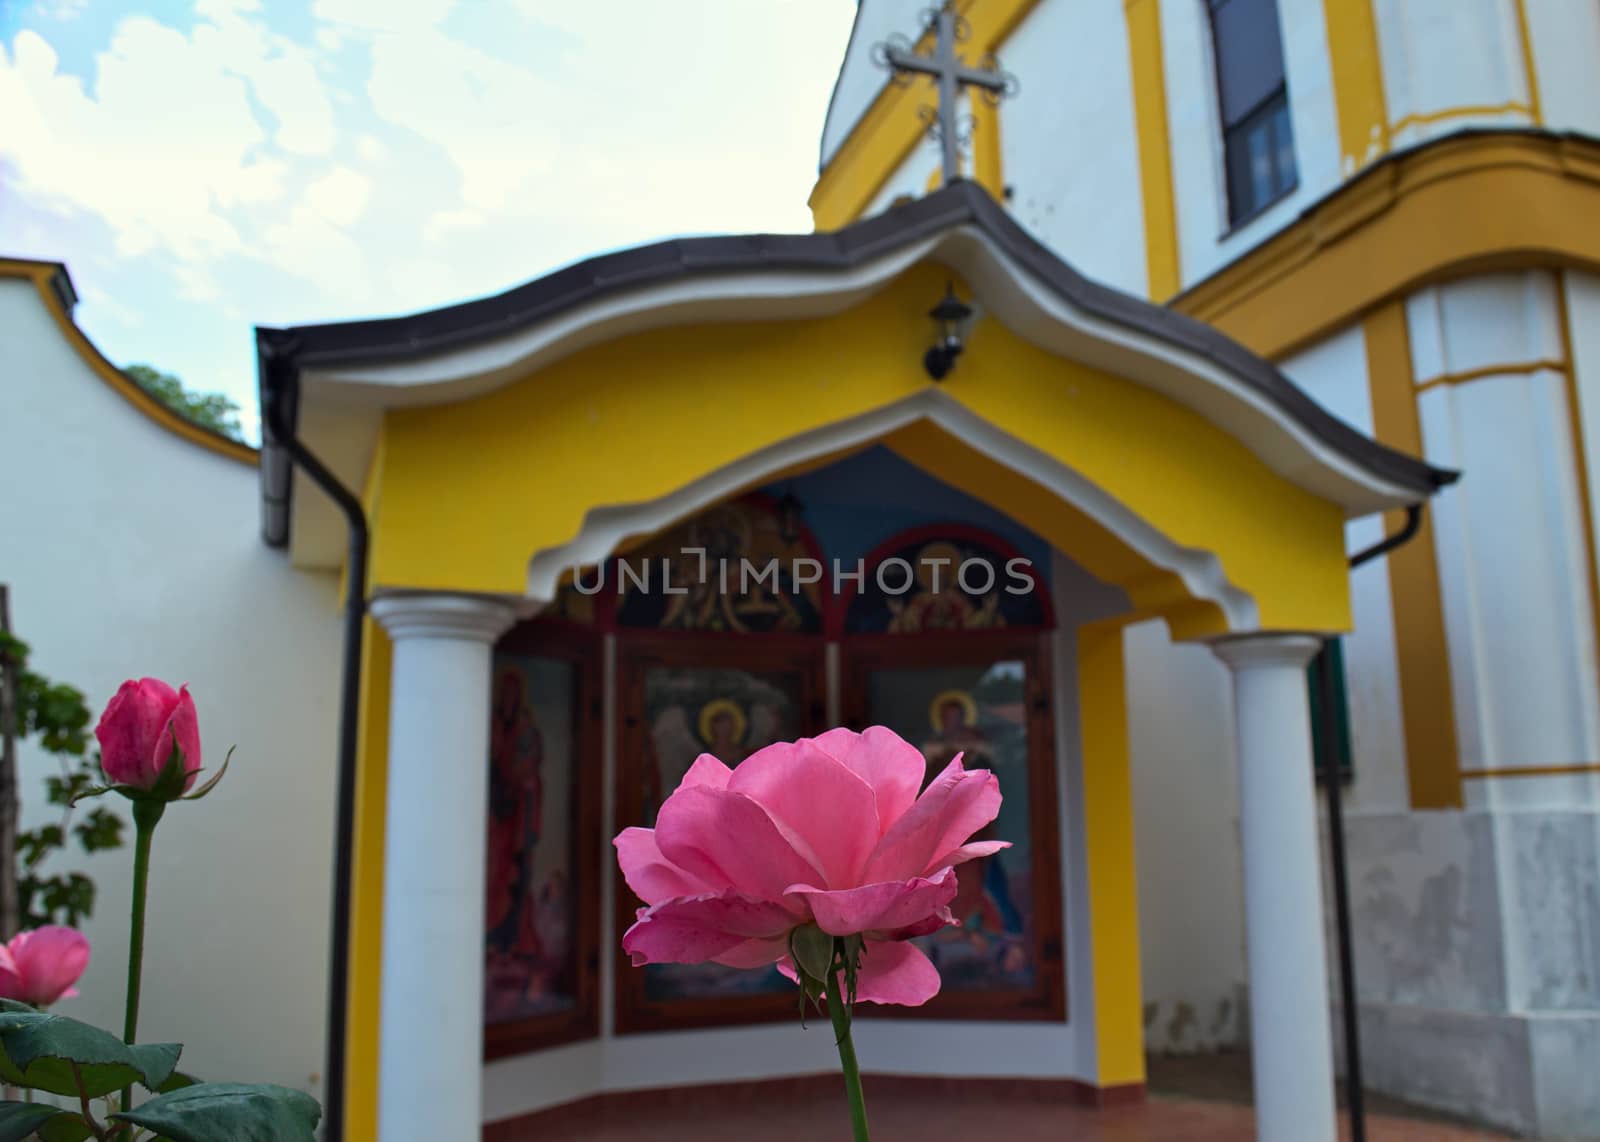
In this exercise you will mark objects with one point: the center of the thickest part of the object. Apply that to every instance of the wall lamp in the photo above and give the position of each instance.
(949, 314)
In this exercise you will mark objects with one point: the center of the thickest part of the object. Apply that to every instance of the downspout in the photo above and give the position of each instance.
(280, 387)
(1327, 688)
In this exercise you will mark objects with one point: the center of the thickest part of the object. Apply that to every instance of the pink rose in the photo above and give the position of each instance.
(40, 967)
(141, 724)
(827, 831)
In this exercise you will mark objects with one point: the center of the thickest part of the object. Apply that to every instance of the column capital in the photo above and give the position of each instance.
(471, 618)
(1267, 648)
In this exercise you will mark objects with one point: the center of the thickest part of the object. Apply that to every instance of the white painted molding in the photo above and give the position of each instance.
(464, 617)
(605, 528)
(1249, 652)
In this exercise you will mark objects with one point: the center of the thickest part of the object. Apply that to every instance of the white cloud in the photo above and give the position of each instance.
(384, 15)
(166, 139)
(340, 196)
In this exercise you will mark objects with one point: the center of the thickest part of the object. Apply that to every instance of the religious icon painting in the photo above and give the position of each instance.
(536, 920)
(735, 568)
(682, 703)
(946, 579)
(984, 698)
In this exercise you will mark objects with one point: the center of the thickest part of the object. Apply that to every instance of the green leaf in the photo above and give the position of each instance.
(212, 784)
(41, 1051)
(239, 1112)
(20, 1119)
(176, 1081)
(812, 949)
(64, 1128)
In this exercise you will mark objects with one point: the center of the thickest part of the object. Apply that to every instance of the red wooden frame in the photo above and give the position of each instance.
(803, 655)
(577, 644)
(864, 654)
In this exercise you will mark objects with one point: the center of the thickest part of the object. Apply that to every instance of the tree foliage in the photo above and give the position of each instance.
(56, 717)
(215, 411)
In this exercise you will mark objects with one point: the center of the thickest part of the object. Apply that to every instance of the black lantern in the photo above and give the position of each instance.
(949, 314)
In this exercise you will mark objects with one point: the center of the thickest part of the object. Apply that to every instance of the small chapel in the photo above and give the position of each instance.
(1100, 403)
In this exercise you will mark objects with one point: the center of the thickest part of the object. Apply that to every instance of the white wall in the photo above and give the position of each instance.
(1566, 46)
(1205, 241)
(1447, 56)
(860, 78)
(132, 552)
(1069, 145)
(1334, 374)
(1186, 820)
(1510, 538)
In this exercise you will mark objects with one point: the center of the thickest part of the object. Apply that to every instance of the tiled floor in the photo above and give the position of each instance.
(908, 1118)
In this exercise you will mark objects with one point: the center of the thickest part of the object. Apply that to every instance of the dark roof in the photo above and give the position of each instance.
(962, 203)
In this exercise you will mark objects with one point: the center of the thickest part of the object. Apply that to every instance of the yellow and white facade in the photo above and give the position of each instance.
(1123, 401)
(1431, 279)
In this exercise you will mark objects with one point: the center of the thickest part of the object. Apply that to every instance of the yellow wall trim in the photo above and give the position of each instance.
(1529, 66)
(1464, 111)
(1163, 274)
(891, 127)
(1580, 458)
(1427, 701)
(1465, 204)
(42, 275)
(1358, 94)
(1111, 855)
(1531, 771)
(1521, 369)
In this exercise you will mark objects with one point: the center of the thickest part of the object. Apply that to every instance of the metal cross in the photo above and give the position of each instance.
(950, 73)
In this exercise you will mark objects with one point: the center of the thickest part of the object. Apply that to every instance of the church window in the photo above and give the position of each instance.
(1253, 96)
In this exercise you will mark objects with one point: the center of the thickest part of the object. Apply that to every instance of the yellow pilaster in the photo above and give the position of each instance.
(1113, 885)
(1162, 266)
(1357, 82)
(1433, 765)
(366, 890)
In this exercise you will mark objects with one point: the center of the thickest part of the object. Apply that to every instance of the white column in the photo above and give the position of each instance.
(430, 1069)
(1291, 1043)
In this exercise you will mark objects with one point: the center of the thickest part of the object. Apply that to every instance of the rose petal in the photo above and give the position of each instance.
(724, 837)
(652, 876)
(755, 953)
(49, 960)
(129, 728)
(884, 760)
(182, 727)
(893, 971)
(880, 907)
(706, 770)
(693, 929)
(965, 853)
(824, 803)
(956, 805)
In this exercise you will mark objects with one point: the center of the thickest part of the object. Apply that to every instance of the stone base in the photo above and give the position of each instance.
(1534, 1074)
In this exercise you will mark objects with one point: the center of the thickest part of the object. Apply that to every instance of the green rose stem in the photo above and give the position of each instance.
(840, 1014)
(146, 814)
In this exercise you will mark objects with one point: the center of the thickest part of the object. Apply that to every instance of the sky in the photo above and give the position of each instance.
(205, 166)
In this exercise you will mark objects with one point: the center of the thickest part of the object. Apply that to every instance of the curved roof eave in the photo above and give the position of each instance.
(1042, 290)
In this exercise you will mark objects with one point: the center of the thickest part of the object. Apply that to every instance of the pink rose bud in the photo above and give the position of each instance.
(40, 967)
(142, 724)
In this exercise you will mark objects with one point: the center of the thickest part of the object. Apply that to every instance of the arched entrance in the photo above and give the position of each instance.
(508, 444)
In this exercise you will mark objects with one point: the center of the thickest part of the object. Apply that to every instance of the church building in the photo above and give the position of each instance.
(1139, 349)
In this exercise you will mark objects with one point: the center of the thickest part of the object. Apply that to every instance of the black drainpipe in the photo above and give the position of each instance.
(1327, 687)
(280, 387)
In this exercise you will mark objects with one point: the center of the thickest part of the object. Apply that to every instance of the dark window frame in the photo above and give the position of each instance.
(1343, 760)
(1269, 114)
